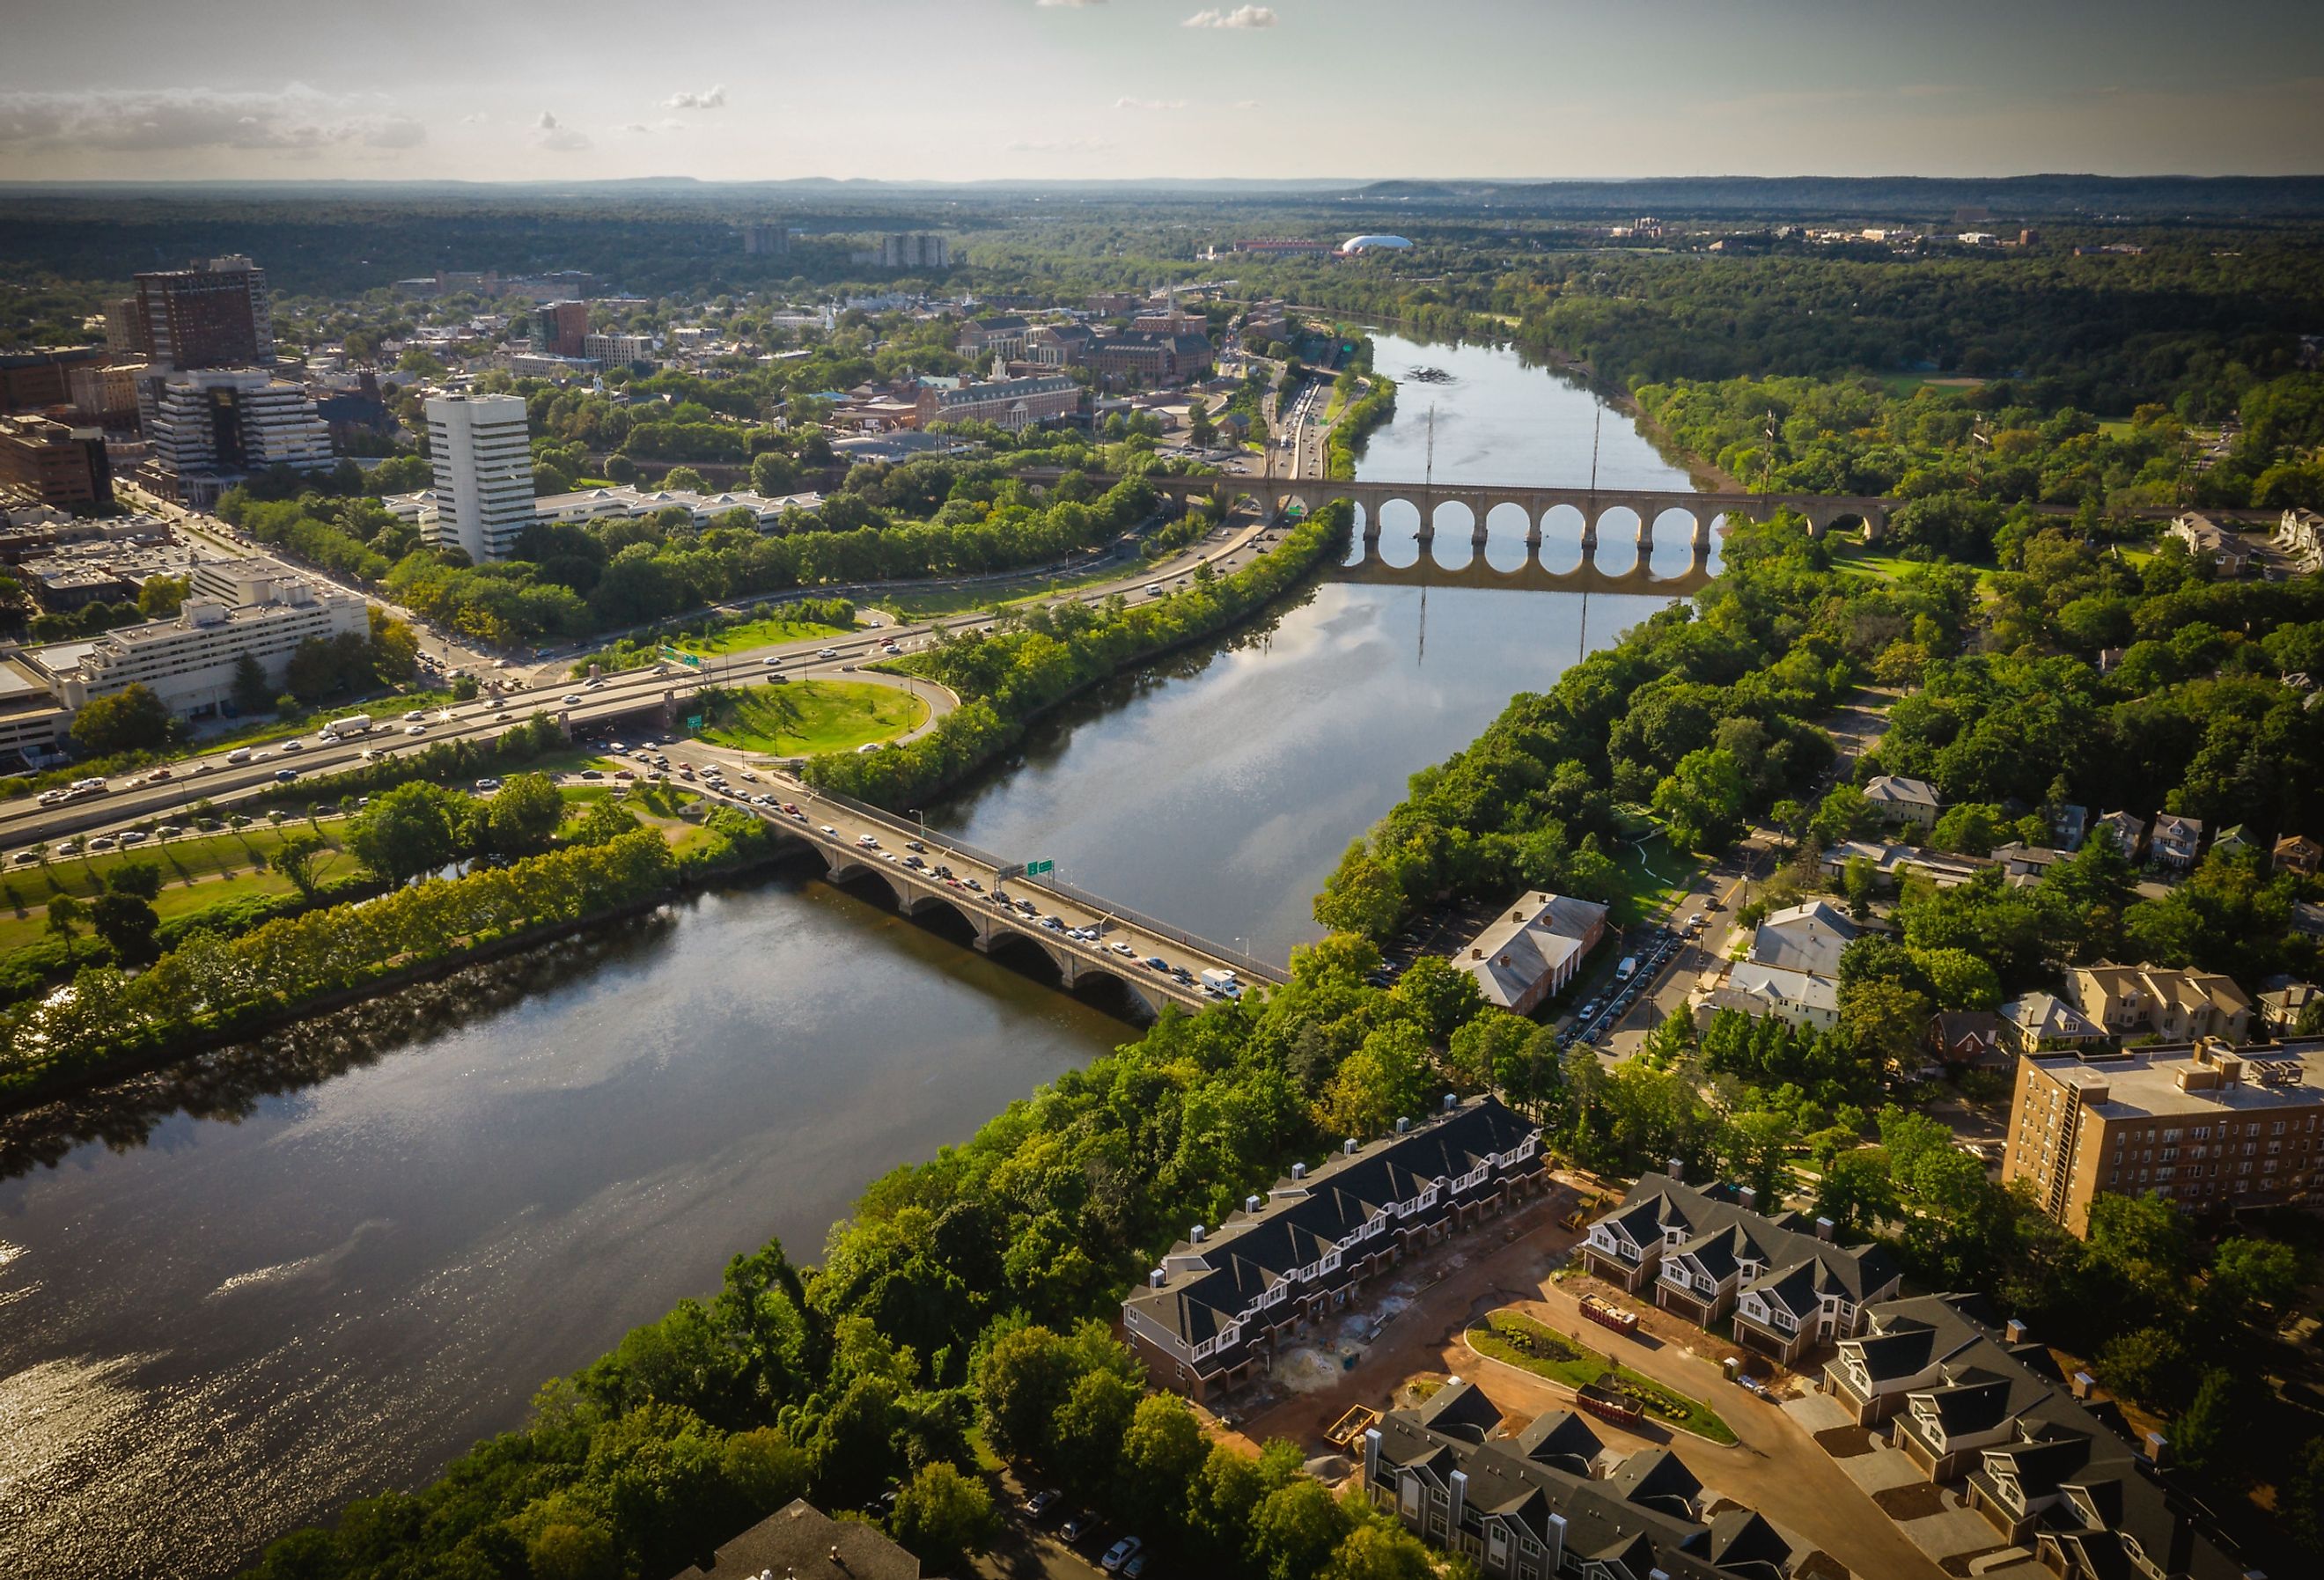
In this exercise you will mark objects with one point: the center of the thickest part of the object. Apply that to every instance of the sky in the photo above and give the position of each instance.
(983, 89)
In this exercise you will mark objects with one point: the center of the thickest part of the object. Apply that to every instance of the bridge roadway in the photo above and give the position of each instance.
(836, 827)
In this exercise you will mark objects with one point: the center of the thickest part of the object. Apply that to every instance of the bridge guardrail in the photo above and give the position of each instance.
(1244, 964)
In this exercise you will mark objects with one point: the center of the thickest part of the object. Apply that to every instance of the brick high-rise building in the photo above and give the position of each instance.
(214, 315)
(55, 463)
(35, 380)
(2204, 1126)
(559, 328)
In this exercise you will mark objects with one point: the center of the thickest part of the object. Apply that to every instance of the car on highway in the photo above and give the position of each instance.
(770, 660)
(407, 729)
(571, 700)
(415, 716)
(23, 856)
(1055, 924)
(285, 775)
(1124, 950)
(488, 785)
(1121, 1553)
(135, 836)
(160, 775)
(828, 652)
(294, 745)
(1153, 589)
(827, 831)
(1155, 962)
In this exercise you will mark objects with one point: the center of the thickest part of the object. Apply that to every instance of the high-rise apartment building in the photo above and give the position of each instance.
(210, 428)
(915, 249)
(218, 314)
(483, 473)
(767, 241)
(559, 327)
(616, 350)
(2204, 1126)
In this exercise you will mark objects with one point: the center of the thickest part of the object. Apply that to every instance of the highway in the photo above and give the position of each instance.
(139, 798)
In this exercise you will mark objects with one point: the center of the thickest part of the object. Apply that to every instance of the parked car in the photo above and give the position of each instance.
(1076, 1526)
(1121, 1553)
(1040, 1505)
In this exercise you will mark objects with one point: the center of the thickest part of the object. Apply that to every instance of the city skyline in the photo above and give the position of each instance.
(1058, 89)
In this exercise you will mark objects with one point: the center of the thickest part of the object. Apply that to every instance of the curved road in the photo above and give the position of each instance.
(140, 797)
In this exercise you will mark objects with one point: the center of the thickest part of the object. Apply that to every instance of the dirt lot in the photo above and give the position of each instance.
(1775, 1468)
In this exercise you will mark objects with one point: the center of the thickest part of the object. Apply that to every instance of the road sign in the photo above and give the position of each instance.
(1034, 869)
(693, 721)
(689, 659)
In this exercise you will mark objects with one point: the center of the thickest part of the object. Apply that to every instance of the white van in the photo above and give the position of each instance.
(1626, 969)
(238, 756)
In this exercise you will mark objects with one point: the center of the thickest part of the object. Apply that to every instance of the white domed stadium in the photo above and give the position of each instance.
(1371, 244)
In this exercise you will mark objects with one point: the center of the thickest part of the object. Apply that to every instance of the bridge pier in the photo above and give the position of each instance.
(1700, 541)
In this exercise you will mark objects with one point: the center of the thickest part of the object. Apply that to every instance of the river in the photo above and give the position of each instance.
(235, 1296)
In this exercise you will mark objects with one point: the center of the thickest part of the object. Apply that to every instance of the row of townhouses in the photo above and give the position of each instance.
(1549, 1500)
(2044, 1459)
(1212, 1316)
(1710, 1253)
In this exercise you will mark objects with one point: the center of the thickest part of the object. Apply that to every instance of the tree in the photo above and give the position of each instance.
(1161, 1454)
(66, 912)
(296, 860)
(522, 818)
(1381, 1551)
(159, 597)
(1363, 896)
(1020, 1382)
(1858, 878)
(1295, 1529)
(1701, 800)
(252, 692)
(1389, 1077)
(411, 829)
(1884, 1022)
(127, 922)
(944, 1517)
(133, 719)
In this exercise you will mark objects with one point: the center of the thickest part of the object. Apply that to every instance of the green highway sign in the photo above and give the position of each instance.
(1034, 869)
(688, 659)
(693, 721)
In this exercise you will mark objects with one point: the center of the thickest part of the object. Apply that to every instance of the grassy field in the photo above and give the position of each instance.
(1885, 567)
(808, 717)
(757, 633)
(938, 603)
(1900, 385)
(1513, 1337)
(196, 874)
(1652, 872)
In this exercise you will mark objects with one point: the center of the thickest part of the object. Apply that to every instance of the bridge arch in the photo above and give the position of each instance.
(1510, 535)
(942, 915)
(1116, 993)
(1454, 527)
(1615, 541)
(1021, 952)
(867, 877)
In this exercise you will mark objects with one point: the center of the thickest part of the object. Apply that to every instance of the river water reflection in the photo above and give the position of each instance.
(234, 1297)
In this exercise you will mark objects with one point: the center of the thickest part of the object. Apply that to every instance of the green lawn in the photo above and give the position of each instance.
(940, 603)
(1887, 567)
(1513, 1337)
(196, 874)
(808, 717)
(1651, 875)
(762, 633)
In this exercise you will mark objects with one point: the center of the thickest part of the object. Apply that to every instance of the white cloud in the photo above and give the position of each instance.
(551, 134)
(297, 119)
(1149, 104)
(712, 98)
(1241, 16)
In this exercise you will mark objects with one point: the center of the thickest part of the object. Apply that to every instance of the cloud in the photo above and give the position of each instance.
(1241, 16)
(1149, 104)
(295, 120)
(1244, 103)
(553, 134)
(712, 98)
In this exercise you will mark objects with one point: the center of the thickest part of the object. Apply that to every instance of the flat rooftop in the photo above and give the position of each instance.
(2146, 1083)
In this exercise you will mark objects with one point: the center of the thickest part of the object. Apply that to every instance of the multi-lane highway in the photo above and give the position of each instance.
(146, 799)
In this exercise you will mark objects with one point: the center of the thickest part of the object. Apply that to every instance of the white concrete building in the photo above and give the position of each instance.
(483, 473)
(212, 427)
(189, 661)
(611, 349)
(598, 504)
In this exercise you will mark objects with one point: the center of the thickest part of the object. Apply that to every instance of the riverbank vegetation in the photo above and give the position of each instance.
(1006, 676)
(1375, 406)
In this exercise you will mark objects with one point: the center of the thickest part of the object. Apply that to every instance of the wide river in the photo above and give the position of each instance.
(233, 1298)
